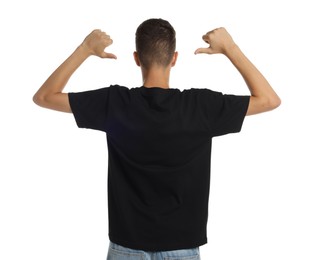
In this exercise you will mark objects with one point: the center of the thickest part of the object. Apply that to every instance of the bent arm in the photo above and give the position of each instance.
(263, 97)
(50, 94)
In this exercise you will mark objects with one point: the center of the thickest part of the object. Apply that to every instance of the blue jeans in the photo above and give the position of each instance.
(117, 252)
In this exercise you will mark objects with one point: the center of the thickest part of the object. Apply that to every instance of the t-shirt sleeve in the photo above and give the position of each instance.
(225, 113)
(90, 108)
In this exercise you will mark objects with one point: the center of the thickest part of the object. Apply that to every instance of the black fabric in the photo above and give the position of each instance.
(159, 150)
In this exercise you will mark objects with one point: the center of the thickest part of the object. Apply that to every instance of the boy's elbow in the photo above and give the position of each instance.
(269, 104)
(38, 99)
(260, 105)
(274, 102)
(57, 101)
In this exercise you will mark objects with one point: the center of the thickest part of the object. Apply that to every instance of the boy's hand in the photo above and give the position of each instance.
(96, 42)
(220, 42)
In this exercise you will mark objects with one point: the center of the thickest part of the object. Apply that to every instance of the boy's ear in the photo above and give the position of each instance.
(174, 59)
(136, 58)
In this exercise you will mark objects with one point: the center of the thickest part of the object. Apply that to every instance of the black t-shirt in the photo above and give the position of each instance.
(159, 150)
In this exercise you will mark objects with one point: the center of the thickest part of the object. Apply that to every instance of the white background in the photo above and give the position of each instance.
(53, 202)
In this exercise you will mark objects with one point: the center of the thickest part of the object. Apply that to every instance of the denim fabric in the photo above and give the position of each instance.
(117, 252)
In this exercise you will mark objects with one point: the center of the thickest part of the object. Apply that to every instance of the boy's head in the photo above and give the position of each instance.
(155, 43)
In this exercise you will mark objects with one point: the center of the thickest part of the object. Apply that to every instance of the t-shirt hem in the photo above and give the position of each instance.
(157, 247)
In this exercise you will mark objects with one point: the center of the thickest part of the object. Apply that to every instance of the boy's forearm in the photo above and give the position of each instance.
(50, 94)
(263, 97)
(58, 79)
(256, 82)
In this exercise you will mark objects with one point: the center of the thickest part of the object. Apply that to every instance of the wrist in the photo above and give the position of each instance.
(83, 51)
(231, 50)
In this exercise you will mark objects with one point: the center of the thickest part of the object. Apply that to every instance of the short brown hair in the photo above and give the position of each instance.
(155, 42)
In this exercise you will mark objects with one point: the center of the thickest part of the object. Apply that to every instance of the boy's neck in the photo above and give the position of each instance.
(156, 77)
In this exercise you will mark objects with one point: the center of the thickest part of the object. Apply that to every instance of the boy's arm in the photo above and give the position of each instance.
(263, 97)
(50, 94)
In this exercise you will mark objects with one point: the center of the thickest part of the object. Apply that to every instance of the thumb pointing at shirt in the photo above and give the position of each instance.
(96, 43)
(219, 40)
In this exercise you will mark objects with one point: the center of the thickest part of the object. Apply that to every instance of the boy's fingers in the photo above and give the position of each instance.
(108, 55)
(206, 38)
(204, 50)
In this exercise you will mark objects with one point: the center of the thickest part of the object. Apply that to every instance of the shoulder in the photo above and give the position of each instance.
(199, 91)
(201, 94)
(123, 89)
